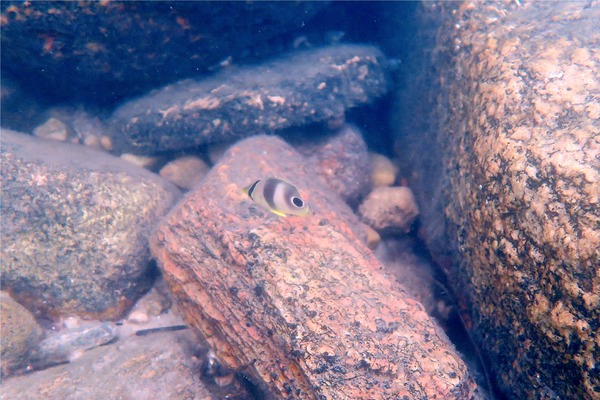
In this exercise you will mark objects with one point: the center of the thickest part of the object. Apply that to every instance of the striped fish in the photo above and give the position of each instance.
(278, 196)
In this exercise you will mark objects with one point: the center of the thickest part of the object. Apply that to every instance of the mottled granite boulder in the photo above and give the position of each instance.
(293, 90)
(510, 198)
(75, 225)
(298, 305)
(100, 51)
(19, 335)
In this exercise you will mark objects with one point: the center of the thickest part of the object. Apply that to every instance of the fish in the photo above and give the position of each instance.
(278, 196)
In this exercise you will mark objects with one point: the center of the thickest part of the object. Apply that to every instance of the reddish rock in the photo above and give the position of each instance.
(342, 159)
(298, 305)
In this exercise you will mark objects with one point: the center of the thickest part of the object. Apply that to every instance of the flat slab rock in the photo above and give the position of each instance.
(298, 304)
(156, 366)
(295, 89)
(75, 227)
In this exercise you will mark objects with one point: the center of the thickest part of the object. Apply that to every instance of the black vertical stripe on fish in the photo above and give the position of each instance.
(252, 187)
(269, 192)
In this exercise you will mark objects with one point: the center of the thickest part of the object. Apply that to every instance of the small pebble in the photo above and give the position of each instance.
(185, 172)
(373, 237)
(223, 381)
(71, 323)
(389, 209)
(140, 161)
(92, 141)
(138, 317)
(106, 143)
(53, 129)
(383, 170)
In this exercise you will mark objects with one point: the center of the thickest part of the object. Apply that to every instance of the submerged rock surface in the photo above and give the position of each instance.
(342, 159)
(75, 227)
(298, 304)
(19, 335)
(389, 209)
(99, 51)
(293, 90)
(511, 208)
(156, 366)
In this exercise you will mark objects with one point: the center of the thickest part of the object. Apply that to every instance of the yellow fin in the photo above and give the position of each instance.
(277, 212)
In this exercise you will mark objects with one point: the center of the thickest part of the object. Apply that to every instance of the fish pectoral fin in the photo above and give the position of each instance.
(277, 212)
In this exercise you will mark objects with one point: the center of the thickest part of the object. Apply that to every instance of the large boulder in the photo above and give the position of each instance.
(298, 305)
(75, 227)
(505, 160)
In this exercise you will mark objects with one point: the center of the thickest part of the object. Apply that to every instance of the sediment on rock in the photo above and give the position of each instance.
(292, 90)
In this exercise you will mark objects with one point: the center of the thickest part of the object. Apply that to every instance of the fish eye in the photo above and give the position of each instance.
(297, 201)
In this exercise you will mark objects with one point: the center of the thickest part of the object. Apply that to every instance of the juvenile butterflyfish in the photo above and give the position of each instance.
(278, 196)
